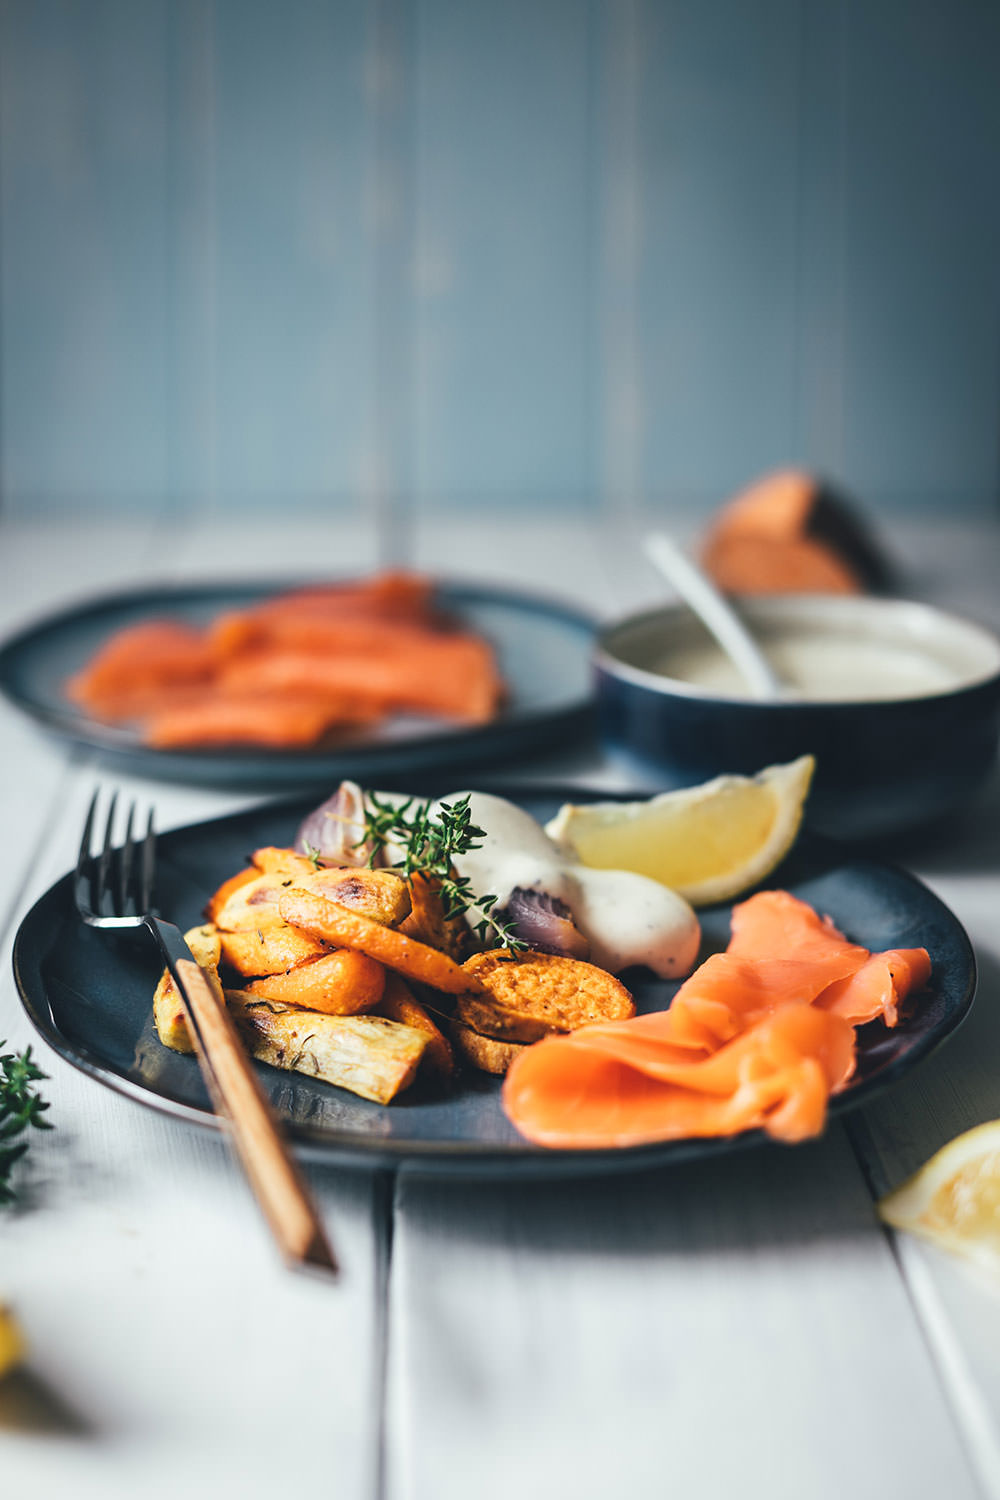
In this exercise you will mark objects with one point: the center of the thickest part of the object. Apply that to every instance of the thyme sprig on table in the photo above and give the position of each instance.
(429, 837)
(21, 1105)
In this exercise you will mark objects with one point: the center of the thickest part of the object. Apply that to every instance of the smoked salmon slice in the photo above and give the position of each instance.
(751, 1039)
(295, 670)
(138, 666)
(564, 1092)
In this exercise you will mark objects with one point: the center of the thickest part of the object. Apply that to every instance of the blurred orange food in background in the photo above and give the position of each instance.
(294, 669)
(787, 533)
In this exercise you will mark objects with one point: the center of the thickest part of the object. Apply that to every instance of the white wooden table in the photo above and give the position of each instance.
(738, 1327)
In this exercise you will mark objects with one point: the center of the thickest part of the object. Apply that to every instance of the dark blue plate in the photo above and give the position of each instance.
(90, 996)
(543, 648)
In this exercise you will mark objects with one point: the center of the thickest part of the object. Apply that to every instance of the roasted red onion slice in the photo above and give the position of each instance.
(544, 923)
(334, 831)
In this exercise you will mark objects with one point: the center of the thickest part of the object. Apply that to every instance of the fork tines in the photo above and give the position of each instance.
(113, 884)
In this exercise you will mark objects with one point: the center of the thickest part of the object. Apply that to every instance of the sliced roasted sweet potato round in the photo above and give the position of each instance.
(528, 994)
(486, 1053)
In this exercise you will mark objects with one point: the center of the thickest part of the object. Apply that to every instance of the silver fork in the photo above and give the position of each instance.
(114, 891)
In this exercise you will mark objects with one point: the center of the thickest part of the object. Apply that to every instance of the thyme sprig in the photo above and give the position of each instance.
(21, 1105)
(430, 836)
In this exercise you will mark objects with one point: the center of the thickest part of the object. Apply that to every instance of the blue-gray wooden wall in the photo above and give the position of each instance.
(497, 252)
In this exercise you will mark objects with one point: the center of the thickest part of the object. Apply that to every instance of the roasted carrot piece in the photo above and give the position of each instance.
(342, 928)
(342, 983)
(398, 1004)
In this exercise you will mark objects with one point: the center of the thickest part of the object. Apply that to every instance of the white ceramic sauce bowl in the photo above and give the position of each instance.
(898, 701)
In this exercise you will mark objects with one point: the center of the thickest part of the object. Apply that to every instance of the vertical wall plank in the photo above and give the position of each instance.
(821, 239)
(293, 280)
(718, 119)
(392, 253)
(82, 163)
(392, 213)
(192, 260)
(923, 252)
(503, 277)
(617, 232)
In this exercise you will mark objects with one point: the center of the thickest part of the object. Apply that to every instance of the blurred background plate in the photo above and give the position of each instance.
(542, 647)
(90, 997)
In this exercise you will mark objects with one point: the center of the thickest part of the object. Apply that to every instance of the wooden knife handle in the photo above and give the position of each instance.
(237, 1094)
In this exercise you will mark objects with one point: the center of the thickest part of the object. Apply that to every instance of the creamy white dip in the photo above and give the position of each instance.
(627, 919)
(818, 667)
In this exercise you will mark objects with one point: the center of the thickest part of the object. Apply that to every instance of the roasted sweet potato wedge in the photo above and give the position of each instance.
(269, 949)
(137, 664)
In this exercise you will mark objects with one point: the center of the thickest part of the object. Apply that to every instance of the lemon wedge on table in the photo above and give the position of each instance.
(954, 1199)
(708, 842)
(11, 1342)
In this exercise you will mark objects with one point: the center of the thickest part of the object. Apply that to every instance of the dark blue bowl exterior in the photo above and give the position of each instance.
(881, 768)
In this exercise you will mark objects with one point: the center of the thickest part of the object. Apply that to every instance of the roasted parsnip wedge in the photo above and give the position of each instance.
(398, 1004)
(381, 895)
(368, 1055)
(271, 948)
(168, 1009)
(285, 862)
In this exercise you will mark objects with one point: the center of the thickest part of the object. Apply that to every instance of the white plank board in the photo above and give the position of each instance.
(957, 1088)
(163, 1330)
(731, 1327)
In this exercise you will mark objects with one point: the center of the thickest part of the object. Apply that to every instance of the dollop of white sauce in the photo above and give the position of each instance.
(626, 918)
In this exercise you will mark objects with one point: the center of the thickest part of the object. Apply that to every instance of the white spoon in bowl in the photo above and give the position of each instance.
(716, 614)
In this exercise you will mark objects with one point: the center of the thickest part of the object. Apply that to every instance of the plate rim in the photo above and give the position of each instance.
(521, 1158)
(69, 725)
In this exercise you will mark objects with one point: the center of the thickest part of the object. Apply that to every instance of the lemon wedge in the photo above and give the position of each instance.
(708, 842)
(11, 1342)
(954, 1199)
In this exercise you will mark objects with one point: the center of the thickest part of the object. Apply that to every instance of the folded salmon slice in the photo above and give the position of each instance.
(751, 1039)
(564, 1092)
(139, 663)
(276, 720)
